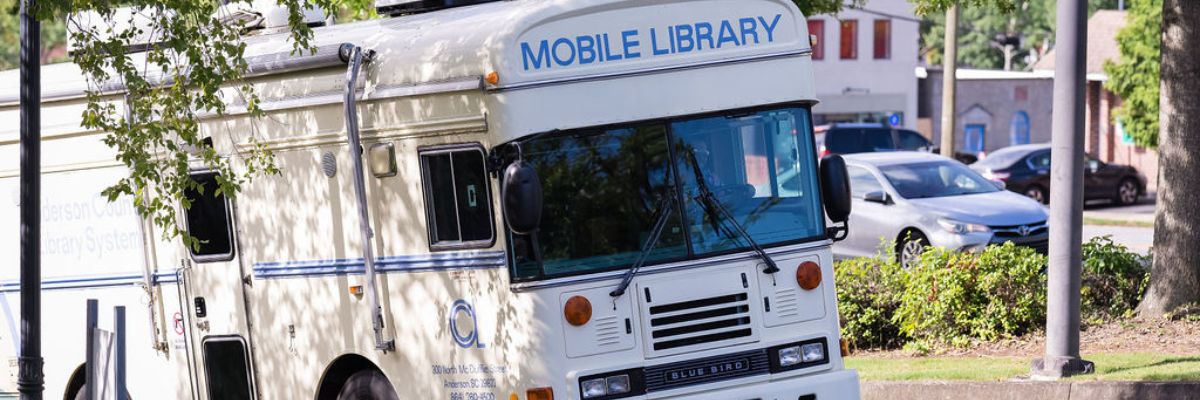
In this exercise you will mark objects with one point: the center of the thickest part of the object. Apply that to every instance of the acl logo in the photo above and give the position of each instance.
(462, 315)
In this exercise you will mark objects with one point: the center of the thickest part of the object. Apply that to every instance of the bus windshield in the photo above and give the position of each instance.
(603, 188)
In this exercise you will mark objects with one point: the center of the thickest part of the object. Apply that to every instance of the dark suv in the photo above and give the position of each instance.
(867, 138)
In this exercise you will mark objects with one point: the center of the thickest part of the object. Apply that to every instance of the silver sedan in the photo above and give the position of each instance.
(913, 200)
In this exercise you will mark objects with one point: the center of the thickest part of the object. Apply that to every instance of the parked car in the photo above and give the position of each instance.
(1025, 169)
(870, 137)
(917, 199)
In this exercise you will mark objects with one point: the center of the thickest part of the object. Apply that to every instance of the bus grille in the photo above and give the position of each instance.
(711, 369)
(701, 321)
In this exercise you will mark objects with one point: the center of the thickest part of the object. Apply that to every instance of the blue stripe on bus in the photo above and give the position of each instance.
(94, 281)
(291, 269)
(419, 263)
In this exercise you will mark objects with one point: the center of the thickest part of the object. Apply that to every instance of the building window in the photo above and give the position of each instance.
(976, 135)
(883, 39)
(816, 28)
(458, 205)
(849, 39)
(1020, 128)
(208, 220)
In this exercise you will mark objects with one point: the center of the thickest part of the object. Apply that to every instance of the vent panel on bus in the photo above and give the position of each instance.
(703, 311)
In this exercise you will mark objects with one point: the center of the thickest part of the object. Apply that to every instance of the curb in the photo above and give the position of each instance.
(1093, 390)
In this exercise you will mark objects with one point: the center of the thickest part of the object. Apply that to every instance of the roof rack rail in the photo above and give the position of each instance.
(404, 7)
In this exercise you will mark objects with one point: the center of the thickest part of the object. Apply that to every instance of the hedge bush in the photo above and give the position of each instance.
(954, 298)
(869, 291)
(1114, 280)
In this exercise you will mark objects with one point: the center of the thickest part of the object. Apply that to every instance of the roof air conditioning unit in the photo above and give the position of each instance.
(401, 7)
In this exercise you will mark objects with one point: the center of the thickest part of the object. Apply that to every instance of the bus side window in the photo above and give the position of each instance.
(208, 220)
(458, 206)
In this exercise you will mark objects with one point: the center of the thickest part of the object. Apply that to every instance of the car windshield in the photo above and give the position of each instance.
(1002, 158)
(935, 179)
(602, 190)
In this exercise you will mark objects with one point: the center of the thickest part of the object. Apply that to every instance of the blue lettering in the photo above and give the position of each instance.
(685, 40)
(587, 49)
(749, 28)
(671, 38)
(600, 48)
(654, 44)
(543, 55)
(704, 32)
(608, 55)
(727, 35)
(770, 27)
(555, 53)
(630, 44)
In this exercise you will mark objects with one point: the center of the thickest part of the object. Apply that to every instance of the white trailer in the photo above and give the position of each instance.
(674, 136)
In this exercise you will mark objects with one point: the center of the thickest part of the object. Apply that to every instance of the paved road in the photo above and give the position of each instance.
(1136, 239)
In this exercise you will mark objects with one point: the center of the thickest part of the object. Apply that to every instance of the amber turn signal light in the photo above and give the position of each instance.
(578, 310)
(540, 393)
(492, 78)
(808, 275)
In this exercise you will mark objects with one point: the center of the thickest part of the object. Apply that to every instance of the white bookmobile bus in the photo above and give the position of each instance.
(532, 199)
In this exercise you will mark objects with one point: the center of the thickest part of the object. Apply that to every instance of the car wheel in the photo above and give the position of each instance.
(1036, 193)
(1127, 192)
(367, 385)
(910, 247)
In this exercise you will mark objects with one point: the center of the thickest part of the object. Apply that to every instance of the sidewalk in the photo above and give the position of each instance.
(1025, 390)
(1142, 212)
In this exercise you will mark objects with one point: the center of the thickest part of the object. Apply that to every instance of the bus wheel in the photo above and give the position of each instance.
(367, 385)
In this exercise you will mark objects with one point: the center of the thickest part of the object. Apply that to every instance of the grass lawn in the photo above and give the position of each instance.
(1114, 222)
(1109, 367)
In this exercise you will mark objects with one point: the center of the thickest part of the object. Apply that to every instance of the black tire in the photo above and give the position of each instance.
(1037, 193)
(367, 385)
(1127, 192)
(909, 247)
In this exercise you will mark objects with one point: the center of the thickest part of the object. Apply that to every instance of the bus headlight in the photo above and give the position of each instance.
(809, 353)
(789, 356)
(618, 384)
(594, 388)
(812, 352)
(613, 384)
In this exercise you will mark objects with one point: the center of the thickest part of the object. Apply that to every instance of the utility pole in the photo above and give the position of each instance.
(1066, 198)
(29, 363)
(949, 80)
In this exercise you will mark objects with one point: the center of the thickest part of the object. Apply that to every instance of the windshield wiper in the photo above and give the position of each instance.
(665, 207)
(717, 212)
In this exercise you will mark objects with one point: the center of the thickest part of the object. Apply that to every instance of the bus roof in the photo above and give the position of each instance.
(533, 41)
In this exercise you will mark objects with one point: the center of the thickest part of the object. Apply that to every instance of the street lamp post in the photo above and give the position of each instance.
(30, 379)
(1066, 198)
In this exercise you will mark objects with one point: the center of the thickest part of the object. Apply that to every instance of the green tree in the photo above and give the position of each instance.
(991, 37)
(54, 35)
(157, 131)
(1135, 78)
(1175, 275)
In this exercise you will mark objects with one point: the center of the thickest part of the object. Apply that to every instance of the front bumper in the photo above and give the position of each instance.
(833, 385)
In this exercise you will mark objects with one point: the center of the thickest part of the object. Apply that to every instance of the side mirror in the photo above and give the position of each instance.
(835, 188)
(1000, 184)
(878, 196)
(521, 197)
